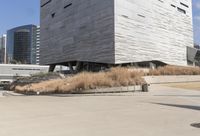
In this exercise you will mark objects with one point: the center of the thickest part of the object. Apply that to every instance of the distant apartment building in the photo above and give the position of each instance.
(38, 45)
(3, 49)
(23, 44)
(113, 32)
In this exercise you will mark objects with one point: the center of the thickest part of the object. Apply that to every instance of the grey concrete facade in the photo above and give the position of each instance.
(153, 30)
(83, 31)
(115, 31)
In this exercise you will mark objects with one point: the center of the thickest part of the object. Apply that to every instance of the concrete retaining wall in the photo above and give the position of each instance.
(115, 90)
(171, 79)
(137, 88)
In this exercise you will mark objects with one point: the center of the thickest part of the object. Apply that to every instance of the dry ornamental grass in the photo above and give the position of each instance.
(175, 70)
(116, 77)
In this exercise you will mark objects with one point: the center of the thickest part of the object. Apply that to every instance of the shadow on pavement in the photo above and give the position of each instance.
(191, 107)
(180, 95)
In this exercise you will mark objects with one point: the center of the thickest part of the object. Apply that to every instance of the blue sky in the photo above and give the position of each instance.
(18, 12)
(21, 12)
(196, 20)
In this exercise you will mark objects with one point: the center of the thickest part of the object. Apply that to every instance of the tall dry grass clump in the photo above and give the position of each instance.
(175, 70)
(115, 77)
(86, 80)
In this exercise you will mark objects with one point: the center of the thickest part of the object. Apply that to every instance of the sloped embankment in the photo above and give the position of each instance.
(34, 79)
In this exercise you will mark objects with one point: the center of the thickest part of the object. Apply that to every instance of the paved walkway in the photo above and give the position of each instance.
(164, 111)
(1, 93)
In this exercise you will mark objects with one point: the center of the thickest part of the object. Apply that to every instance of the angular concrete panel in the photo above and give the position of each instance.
(77, 30)
(116, 31)
(153, 30)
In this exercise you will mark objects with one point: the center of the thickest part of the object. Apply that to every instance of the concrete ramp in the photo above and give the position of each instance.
(171, 79)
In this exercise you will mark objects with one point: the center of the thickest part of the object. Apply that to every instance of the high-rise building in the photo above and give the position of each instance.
(38, 45)
(22, 44)
(3, 49)
(196, 46)
(75, 32)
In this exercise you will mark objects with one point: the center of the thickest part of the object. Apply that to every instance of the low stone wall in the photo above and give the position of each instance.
(137, 88)
(171, 79)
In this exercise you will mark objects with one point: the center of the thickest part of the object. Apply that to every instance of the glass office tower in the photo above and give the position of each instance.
(2, 48)
(21, 44)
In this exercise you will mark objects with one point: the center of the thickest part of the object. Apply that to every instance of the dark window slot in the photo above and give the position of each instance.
(125, 16)
(53, 15)
(46, 3)
(184, 5)
(181, 10)
(67, 5)
(173, 5)
(141, 16)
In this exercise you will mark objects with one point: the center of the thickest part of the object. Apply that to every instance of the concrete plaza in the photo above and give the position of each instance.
(164, 111)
